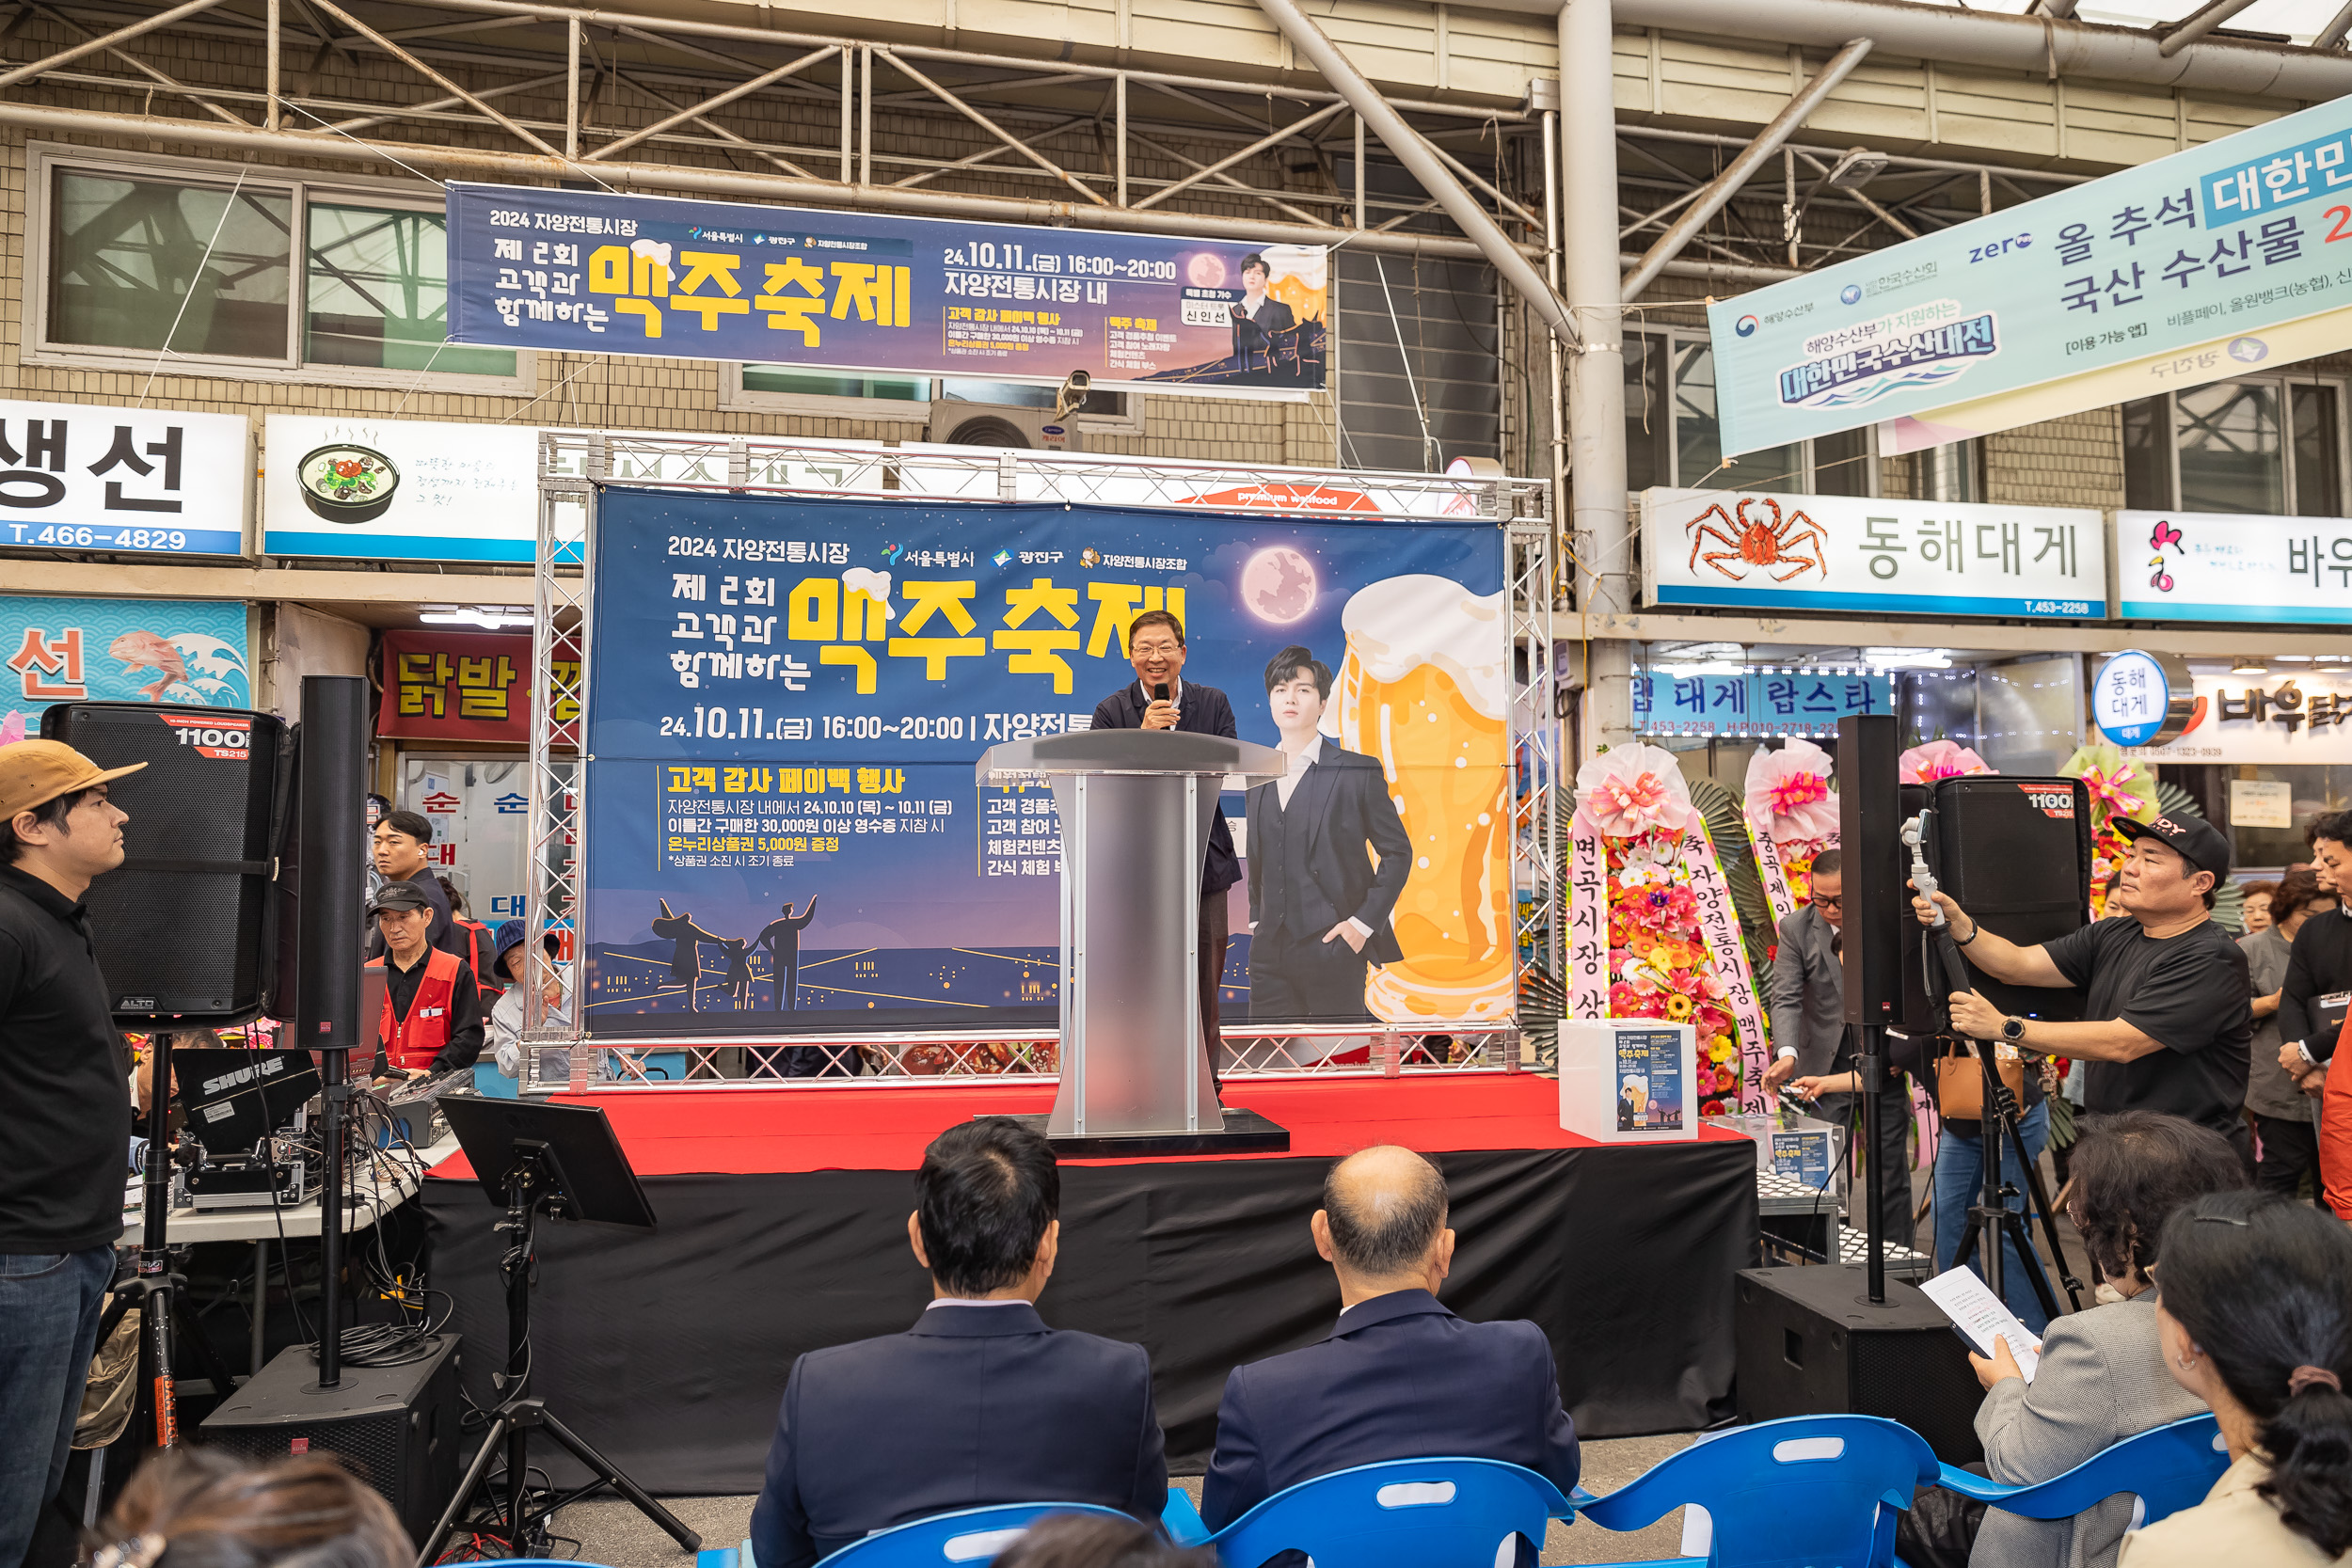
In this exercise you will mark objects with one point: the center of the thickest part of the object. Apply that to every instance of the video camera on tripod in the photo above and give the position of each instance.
(2016, 853)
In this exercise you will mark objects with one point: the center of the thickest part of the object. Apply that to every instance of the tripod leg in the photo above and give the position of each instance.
(518, 1486)
(2022, 1239)
(465, 1490)
(621, 1483)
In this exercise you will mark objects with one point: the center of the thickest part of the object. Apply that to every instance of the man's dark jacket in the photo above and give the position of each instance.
(1199, 711)
(1399, 1378)
(1341, 804)
(973, 1405)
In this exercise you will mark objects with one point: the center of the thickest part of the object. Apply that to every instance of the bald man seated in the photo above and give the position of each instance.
(1399, 1377)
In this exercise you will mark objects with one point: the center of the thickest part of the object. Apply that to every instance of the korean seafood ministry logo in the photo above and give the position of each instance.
(1921, 346)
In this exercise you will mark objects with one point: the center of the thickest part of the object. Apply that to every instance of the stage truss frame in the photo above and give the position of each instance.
(576, 467)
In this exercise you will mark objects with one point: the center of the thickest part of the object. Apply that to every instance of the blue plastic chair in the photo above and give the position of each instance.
(2166, 1470)
(968, 1535)
(1809, 1492)
(1399, 1514)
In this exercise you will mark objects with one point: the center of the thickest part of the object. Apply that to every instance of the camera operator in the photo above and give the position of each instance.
(2168, 1010)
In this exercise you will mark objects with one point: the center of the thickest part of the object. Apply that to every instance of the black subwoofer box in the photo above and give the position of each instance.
(396, 1427)
(1810, 1343)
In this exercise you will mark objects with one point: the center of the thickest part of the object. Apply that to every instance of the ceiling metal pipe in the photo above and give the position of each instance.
(1421, 163)
(1726, 184)
(471, 163)
(2197, 25)
(2039, 44)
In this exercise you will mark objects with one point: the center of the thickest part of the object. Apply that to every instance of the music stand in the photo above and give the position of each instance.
(563, 1161)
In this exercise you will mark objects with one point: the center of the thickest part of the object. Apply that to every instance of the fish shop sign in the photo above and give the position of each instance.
(91, 478)
(177, 653)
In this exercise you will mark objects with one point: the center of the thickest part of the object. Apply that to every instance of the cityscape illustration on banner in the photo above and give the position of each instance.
(2167, 274)
(787, 699)
(591, 273)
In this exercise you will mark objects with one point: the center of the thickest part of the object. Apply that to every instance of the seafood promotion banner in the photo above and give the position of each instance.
(77, 476)
(362, 489)
(1741, 550)
(180, 652)
(787, 700)
(2182, 269)
(588, 272)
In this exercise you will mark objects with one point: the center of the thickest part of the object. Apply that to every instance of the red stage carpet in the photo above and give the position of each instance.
(782, 1228)
(818, 1126)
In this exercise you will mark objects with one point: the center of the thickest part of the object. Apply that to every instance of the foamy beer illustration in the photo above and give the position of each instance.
(1423, 689)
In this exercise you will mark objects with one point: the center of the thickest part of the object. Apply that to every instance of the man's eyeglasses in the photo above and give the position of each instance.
(1829, 903)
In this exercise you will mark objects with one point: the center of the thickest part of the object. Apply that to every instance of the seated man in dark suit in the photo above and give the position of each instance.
(980, 1403)
(1400, 1377)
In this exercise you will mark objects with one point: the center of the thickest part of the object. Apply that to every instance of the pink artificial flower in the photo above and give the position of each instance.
(11, 728)
(1630, 790)
(1940, 759)
(1789, 792)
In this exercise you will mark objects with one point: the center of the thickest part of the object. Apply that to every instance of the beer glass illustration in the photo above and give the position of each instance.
(1423, 689)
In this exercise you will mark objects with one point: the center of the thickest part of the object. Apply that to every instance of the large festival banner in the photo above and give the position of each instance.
(590, 271)
(787, 697)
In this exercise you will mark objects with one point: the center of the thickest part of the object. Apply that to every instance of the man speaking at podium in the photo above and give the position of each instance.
(1162, 699)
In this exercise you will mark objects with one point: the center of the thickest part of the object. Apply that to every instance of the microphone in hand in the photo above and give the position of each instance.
(1161, 709)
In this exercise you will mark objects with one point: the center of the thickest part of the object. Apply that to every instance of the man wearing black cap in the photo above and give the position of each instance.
(432, 1018)
(2167, 1016)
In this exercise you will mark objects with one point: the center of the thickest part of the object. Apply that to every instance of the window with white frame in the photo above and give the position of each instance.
(2266, 444)
(1672, 431)
(905, 399)
(254, 272)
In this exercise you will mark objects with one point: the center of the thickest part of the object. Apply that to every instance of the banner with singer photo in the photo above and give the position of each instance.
(787, 697)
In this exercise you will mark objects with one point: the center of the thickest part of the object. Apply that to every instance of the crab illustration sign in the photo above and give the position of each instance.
(1743, 551)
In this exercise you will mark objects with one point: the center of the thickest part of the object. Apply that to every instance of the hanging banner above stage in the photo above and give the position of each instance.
(587, 272)
(2181, 267)
(786, 699)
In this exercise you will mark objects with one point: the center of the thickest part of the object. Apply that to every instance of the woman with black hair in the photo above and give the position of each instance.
(2256, 1310)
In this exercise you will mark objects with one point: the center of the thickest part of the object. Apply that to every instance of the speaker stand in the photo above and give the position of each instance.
(155, 1288)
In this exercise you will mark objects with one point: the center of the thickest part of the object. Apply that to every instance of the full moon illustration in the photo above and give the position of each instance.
(1205, 270)
(1278, 584)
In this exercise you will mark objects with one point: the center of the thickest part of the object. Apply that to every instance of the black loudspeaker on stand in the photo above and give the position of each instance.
(184, 936)
(1838, 1338)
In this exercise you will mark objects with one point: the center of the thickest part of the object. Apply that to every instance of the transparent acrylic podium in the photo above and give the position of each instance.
(1136, 807)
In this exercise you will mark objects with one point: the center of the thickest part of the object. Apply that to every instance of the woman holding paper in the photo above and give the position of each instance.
(2257, 1323)
(2101, 1375)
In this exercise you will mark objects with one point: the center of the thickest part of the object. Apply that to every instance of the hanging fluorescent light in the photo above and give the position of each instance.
(489, 617)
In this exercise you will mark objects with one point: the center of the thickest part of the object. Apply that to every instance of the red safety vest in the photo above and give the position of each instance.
(415, 1040)
(2335, 1131)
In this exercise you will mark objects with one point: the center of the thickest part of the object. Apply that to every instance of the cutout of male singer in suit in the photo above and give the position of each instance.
(1258, 316)
(1156, 647)
(1318, 909)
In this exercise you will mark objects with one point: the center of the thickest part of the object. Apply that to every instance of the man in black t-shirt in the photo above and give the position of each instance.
(65, 1135)
(2169, 1011)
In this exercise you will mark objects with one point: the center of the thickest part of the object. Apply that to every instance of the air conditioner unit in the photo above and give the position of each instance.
(997, 424)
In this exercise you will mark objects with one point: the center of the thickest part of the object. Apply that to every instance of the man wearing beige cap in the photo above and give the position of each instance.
(66, 1130)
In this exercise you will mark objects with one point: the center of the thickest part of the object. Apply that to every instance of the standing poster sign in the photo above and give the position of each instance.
(588, 272)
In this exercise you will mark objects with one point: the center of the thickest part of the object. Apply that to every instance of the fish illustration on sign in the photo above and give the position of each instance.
(144, 650)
